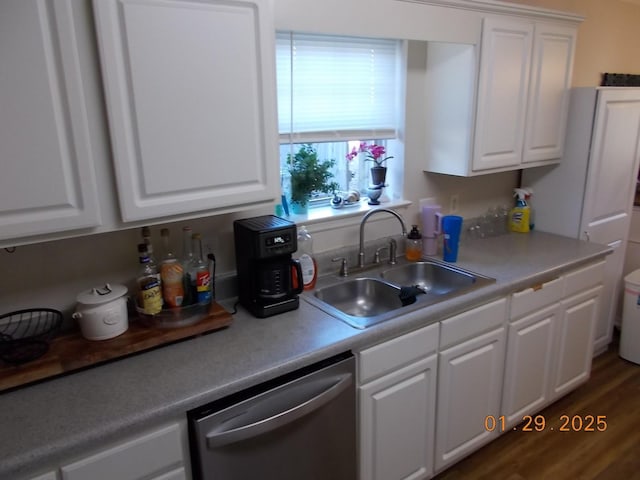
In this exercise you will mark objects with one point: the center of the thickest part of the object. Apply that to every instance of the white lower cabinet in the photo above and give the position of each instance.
(397, 406)
(470, 370)
(550, 341)
(529, 363)
(469, 390)
(157, 455)
(575, 341)
(397, 413)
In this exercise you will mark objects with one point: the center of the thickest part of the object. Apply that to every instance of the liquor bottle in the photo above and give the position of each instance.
(146, 239)
(202, 274)
(188, 262)
(172, 273)
(149, 293)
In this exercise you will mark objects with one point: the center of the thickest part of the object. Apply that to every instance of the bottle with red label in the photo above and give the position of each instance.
(200, 273)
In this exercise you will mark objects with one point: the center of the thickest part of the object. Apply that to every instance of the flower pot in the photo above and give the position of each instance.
(298, 208)
(378, 175)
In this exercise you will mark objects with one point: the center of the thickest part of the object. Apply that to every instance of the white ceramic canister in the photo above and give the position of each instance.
(102, 312)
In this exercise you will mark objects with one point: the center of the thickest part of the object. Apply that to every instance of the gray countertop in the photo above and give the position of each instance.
(45, 424)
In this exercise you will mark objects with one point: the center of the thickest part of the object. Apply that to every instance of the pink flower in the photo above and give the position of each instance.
(374, 153)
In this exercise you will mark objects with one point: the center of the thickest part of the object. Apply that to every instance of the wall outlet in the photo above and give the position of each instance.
(453, 203)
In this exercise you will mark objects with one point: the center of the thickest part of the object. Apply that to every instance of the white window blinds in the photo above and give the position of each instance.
(336, 88)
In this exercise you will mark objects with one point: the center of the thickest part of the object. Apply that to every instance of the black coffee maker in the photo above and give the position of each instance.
(269, 279)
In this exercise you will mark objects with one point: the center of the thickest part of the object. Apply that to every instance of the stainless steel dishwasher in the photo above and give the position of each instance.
(299, 426)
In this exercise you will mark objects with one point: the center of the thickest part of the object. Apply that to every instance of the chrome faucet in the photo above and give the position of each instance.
(364, 220)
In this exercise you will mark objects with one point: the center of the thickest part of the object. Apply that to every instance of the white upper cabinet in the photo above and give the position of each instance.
(549, 92)
(505, 60)
(190, 92)
(515, 115)
(47, 182)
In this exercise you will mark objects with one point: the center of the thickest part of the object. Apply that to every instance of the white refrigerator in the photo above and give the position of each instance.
(589, 194)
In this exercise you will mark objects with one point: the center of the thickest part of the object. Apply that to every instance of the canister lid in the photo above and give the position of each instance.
(98, 295)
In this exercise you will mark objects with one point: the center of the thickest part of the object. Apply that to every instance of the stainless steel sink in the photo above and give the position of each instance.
(361, 302)
(433, 278)
(368, 300)
(362, 297)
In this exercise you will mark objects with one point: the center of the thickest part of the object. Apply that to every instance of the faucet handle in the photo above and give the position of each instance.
(343, 266)
(393, 247)
(376, 258)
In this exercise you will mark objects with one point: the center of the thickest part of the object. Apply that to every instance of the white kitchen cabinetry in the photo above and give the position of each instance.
(190, 93)
(397, 406)
(470, 372)
(531, 345)
(590, 194)
(47, 182)
(550, 341)
(516, 117)
(576, 329)
(160, 454)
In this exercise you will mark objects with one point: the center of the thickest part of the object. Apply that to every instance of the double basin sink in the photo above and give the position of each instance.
(365, 300)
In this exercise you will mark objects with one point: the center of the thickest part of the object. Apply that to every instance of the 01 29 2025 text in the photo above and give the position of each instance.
(539, 423)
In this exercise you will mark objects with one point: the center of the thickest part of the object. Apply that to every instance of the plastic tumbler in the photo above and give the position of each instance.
(451, 228)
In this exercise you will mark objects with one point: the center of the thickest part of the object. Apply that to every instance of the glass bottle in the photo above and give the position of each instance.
(413, 249)
(149, 292)
(201, 273)
(172, 273)
(188, 262)
(146, 239)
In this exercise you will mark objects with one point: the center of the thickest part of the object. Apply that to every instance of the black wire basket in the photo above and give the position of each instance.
(25, 334)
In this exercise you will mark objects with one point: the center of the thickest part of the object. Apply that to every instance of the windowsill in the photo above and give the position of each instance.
(328, 217)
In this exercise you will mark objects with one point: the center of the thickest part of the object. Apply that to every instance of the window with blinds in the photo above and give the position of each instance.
(333, 92)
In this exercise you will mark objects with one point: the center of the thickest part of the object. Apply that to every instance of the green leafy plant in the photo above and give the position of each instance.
(308, 174)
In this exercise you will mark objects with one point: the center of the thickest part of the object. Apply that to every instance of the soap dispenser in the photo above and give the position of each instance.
(413, 250)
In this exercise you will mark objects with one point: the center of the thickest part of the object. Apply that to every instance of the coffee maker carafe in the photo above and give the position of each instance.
(269, 279)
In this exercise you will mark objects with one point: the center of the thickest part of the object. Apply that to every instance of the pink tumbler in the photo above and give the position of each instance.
(430, 229)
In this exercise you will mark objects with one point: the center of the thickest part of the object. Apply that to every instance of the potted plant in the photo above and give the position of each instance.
(376, 154)
(309, 175)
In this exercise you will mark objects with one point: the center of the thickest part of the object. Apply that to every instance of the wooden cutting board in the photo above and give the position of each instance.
(71, 351)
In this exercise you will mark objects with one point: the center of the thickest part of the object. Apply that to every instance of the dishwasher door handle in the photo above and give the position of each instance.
(225, 437)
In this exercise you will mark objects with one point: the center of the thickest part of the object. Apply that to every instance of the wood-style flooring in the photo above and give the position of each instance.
(614, 454)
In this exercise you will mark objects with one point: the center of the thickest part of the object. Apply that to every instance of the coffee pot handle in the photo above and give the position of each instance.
(297, 280)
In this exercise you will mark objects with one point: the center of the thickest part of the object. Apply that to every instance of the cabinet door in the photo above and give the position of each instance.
(505, 62)
(548, 104)
(528, 365)
(141, 457)
(47, 182)
(397, 415)
(615, 155)
(190, 90)
(469, 389)
(575, 341)
(610, 188)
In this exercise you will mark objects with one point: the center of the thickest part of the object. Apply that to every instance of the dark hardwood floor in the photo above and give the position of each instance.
(614, 454)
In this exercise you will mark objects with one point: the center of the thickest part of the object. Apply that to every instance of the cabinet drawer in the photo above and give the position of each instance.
(535, 298)
(141, 457)
(473, 322)
(388, 356)
(584, 278)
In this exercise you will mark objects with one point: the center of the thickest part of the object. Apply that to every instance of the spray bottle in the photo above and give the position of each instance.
(520, 214)
(532, 212)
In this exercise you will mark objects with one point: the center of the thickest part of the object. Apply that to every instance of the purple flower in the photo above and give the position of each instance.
(374, 153)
